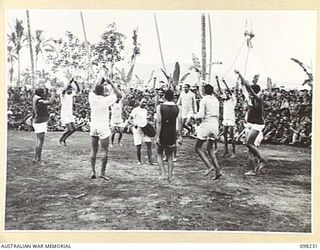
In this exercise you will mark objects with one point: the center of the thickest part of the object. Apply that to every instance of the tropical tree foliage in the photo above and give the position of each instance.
(109, 50)
(70, 56)
(15, 39)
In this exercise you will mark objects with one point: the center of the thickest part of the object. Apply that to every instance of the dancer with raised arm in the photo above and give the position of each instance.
(41, 118)
(208, 129)
(99, 127)
(67, 117)
(255, 124)
(229, 120)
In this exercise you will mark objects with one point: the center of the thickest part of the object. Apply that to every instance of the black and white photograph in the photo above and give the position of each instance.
(159, 120)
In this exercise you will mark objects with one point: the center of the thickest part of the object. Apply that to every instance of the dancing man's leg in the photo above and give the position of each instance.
(72, 129)
(104, 160)
(225, 139)
(39, 144)
(160, 162)
(169, 154)
(149, 152)
(120, 136)
(139, 153)
(252, 135)
(93, 154)
(233, 141)
(201, 153)
(112, 137)
(214, 160)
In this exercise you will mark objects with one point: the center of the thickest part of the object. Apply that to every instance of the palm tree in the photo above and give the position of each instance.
(203, 43)
(11, 57)
(210, 48)
(16, 39)
(38, 46)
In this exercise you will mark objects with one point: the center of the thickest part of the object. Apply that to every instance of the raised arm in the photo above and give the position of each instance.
(115, 89)
(227, 87)
(78, 88)
(51, 100)
(218, 84)
(66, 87)
(247, 86)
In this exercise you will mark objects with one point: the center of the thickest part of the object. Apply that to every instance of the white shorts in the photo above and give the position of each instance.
(40, 127)
(228, 122)
(100, 130)
(67, 119)
(258, 127)
(208, 129)
(186, 114)
(117, 124)
(139, 136)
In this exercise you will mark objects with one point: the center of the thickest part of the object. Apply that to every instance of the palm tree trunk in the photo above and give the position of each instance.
(31, 50)
(11, 73)
(18, 60)
(203, 43)
(130, 73)
(36, 65)
(210, 58)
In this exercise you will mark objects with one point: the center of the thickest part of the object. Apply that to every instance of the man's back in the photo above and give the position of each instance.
(100, 107)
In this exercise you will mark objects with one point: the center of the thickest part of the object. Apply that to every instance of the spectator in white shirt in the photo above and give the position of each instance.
(139, 117)
(187, 103)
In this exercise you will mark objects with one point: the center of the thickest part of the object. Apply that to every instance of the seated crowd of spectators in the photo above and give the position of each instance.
(288, 113)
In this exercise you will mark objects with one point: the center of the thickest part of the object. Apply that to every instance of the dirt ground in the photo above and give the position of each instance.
(60, 195)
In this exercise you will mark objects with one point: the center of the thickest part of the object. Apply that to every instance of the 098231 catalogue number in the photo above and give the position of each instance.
(308, 246)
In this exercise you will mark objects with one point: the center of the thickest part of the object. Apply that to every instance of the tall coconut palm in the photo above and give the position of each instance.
(31, 50)
(203, 47)
(16, 39)
(210, 49)
(11, 57)
(38, 46)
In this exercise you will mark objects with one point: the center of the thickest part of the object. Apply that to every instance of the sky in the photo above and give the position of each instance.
(279, 36)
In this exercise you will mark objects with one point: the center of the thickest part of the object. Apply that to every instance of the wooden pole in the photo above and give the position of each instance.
(159, 42)
(87, 47)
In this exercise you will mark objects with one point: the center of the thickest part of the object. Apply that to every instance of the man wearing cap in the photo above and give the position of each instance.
(67, 117)
(41, 118)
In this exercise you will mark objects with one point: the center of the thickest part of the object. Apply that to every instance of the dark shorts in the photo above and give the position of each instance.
(167, 148)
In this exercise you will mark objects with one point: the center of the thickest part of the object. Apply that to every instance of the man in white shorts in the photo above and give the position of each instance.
(139, 116)
(117, 124)
(229, 120)
(208, 129)
(187, 105)
(99, 126)
(41, 118)
(67, 117)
